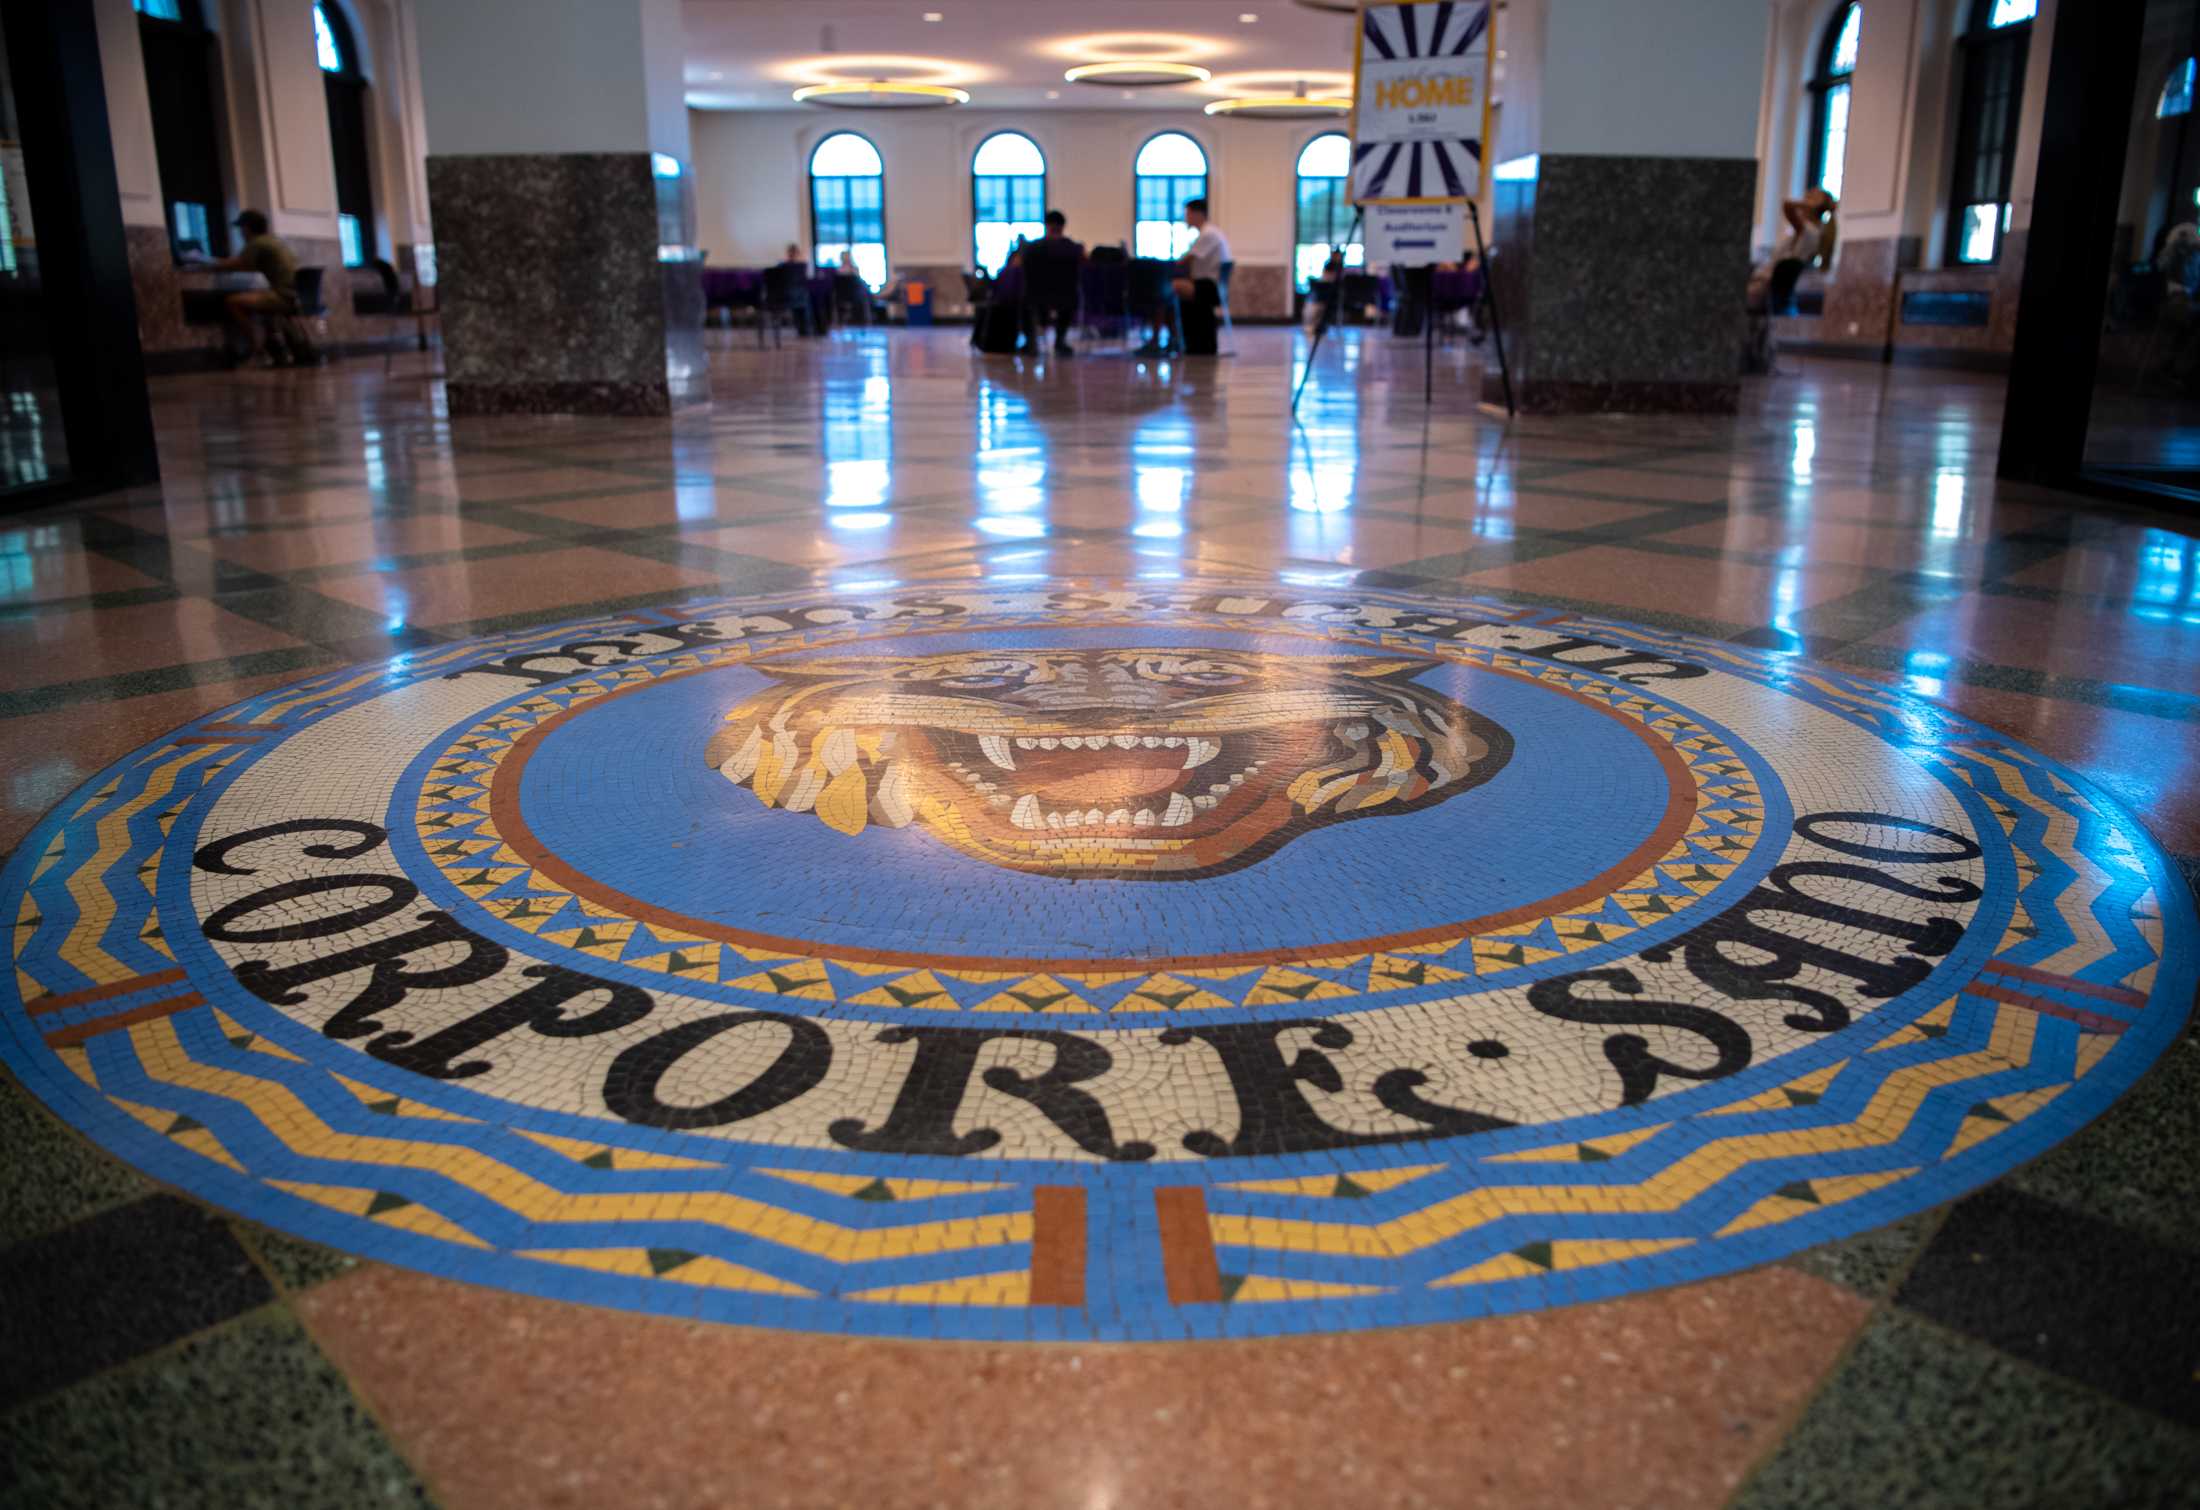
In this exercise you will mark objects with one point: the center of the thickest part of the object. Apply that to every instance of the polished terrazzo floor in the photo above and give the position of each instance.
(2030, 1343)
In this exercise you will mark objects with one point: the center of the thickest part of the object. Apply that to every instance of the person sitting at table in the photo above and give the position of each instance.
(997, 326)
(1051, 268)
(1321, 293)
(271, 257)
(1198, 278)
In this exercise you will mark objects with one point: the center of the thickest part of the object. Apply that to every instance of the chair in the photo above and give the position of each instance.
(1762, 355)
(851, 297)
(1355, 292)
(1053, 281)
(304, 349)
(786, 296)
(1229, 329)
(1146, 293)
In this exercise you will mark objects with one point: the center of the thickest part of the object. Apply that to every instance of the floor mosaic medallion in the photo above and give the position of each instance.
(1076, 960)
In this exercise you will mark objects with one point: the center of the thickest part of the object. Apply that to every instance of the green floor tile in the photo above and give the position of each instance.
(1915, 1419)
(247, 1416)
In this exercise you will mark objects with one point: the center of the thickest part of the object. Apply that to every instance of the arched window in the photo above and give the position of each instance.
(2176, 95)
(1171, 168)
(1831, 90)
(182, 84)
(345, 83)
(848, 206)
(1008, 197)
(1324, 209)
(1992, 83)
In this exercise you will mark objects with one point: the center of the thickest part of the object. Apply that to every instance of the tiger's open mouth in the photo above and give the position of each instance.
(1123, 763)
(1131, 781)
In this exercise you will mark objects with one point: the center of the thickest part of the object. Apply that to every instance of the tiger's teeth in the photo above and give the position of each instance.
(890, 803)
(1126, 741)
(1197, 752)
(1120, 815)
(1025, 814)
(1143, 818)
(996, 750)
(1094, 816)
(1179, 813)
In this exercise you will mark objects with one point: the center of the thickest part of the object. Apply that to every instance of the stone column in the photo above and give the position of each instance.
(564, 214)
(1624, 177)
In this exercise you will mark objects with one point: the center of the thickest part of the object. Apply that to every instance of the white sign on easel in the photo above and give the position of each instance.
(1414, 235)
(1420, 100)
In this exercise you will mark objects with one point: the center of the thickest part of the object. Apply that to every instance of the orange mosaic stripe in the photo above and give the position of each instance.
(102, 993)
(1058, 1245)
(76, 1033)
(1187, 1245)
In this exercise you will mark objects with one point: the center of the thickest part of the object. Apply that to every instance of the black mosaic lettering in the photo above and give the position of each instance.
(1274, 1115)
(1630, 1054)
(540, 1008)
(630, 1088)
(215, 856)
(393, 978)
(397, 894)
(922, 1119)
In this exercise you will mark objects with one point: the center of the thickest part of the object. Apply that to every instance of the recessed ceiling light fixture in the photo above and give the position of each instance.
(881, 94)
(1146, 72)
(1247, 18)
(1281, 107)
(933, 15)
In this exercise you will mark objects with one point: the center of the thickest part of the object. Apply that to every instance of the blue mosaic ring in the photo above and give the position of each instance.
(1078, 960)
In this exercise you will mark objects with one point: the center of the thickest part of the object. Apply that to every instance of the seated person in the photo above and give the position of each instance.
(1321, 293)
(999, 325)
(1051, 267)
(266, 254)
(1812, 231)
(794, 258)
(1199, 276)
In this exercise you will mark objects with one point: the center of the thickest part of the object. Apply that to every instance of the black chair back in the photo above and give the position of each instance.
(1051, 272)
(1108, 254)
(1148, 287)
(1356, 291)
(310, 301)
(785, 287)
(1786, 273)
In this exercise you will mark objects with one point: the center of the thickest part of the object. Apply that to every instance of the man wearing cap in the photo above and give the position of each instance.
(264, 253)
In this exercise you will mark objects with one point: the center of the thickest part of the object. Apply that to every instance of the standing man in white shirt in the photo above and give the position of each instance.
(1201, 278)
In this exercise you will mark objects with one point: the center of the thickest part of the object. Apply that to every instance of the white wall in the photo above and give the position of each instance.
(503, 76)
(1677, 78)
(275, 129)
(1901, 158)
(129, 114)
(752, 187)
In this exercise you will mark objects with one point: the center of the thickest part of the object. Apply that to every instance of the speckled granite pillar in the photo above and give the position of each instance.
(554, 299)
(1622, 282)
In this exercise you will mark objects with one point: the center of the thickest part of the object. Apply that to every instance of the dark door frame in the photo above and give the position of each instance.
(2092, 81)
(83, 257)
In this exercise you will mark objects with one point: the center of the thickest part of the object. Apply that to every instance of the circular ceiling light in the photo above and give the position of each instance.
(1282, 107)
(1137, 75)
(881, 94)
(1135, 47)
(863, 68)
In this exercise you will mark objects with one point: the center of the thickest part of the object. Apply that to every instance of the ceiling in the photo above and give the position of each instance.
(753, 54)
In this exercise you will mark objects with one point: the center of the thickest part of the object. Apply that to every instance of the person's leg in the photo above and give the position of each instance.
(245, 312)
(1065, 315)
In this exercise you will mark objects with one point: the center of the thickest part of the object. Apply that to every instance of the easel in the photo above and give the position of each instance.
(1428, 318)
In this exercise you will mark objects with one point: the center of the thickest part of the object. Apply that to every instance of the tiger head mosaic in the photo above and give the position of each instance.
(1130, 763)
